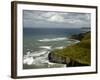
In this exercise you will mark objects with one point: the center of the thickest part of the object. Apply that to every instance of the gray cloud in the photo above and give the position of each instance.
(47, 19)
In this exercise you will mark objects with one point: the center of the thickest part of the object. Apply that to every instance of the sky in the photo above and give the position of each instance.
(51, 19)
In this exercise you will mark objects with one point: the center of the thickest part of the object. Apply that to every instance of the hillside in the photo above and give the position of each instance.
(74, 55)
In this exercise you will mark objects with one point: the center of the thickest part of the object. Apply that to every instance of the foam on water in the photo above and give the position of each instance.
(37, 57)
(36, 53)
(46, 47)
(28, 60)
(52, 39)
(61, 47)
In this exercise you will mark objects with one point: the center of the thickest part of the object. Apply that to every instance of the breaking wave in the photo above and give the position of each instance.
(45, 47)
(52, 39)
(35, 57)
(61, 47)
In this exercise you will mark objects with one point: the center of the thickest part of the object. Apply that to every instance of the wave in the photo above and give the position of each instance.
(36, 53)
(61, 47)
(28, 60)
(46, 47)
(53, 39)
(35, 57)
(36, 61)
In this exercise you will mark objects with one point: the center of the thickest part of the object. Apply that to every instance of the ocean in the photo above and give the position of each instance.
(38, 42)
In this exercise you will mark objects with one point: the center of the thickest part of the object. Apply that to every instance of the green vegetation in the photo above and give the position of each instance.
(79, 52)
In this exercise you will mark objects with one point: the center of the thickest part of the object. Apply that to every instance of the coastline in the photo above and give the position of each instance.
(72, 55)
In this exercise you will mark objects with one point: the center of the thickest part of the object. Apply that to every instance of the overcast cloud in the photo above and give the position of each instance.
(47, 19)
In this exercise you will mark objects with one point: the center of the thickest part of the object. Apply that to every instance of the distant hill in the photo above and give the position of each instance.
(85, 29)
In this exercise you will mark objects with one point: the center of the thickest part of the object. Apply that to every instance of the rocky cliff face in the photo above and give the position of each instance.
(64, 60)
(58, 59)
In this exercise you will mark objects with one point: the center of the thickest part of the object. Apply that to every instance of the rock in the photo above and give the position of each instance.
(74, 63)
(64, 60)
(58, 59)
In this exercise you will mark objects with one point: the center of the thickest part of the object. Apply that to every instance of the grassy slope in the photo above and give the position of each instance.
(79, 52)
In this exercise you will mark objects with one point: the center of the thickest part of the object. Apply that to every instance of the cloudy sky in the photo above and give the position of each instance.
(47, 19)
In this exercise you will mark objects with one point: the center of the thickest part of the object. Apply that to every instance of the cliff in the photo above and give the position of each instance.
(80, 36)
(74, 55)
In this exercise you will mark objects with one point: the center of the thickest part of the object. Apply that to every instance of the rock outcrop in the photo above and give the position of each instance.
(64, 60)
(58, 59)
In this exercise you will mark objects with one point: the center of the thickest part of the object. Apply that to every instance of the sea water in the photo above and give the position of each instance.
(38, 42)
